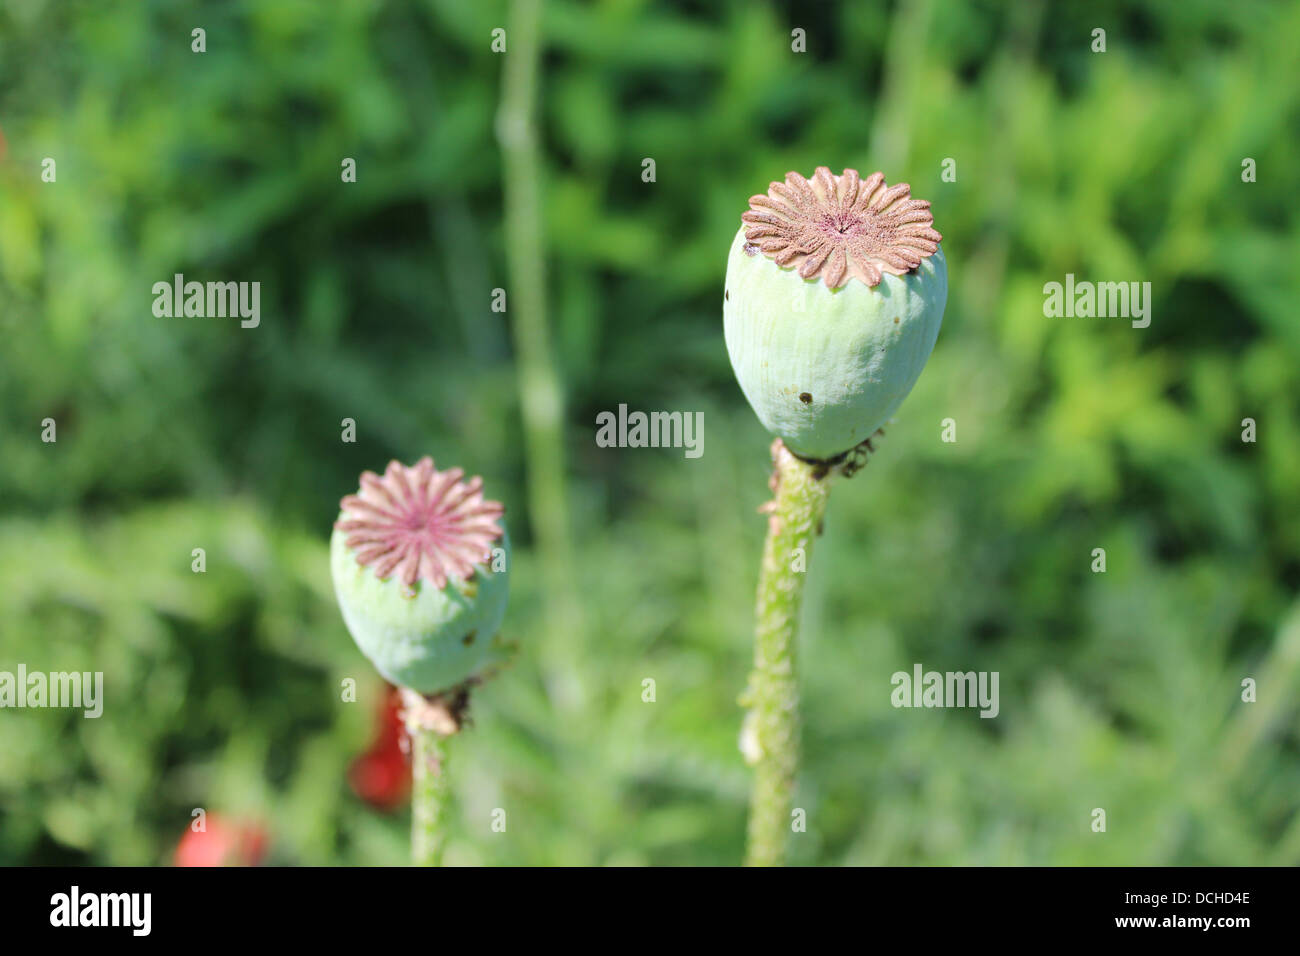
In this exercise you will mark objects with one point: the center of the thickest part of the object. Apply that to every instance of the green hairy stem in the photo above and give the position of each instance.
(428, 796)
(430, 725)
(770, 739)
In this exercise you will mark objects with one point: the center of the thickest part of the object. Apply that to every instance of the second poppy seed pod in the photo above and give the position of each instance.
(834, 296)
(419, 560)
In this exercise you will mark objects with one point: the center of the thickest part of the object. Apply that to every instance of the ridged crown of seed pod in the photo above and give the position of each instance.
(834, 296)
(420, 565)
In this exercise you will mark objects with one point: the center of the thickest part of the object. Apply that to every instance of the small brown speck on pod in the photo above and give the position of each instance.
(727, 295)
(468, 639)
(805, 397)
(895, 320)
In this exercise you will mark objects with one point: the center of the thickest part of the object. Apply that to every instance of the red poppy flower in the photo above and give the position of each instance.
(382, 775)
(222, 842)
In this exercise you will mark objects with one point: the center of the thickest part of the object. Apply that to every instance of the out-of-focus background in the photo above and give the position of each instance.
(1119, 690)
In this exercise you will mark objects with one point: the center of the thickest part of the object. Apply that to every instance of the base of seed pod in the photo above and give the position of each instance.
(445, 713)
(847, 463)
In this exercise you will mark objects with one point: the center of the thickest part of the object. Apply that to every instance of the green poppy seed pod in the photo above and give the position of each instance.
(412, 557)
(834, 296)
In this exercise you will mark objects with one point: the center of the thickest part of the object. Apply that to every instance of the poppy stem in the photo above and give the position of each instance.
(541, 392)
(770, 736)
(430, 723)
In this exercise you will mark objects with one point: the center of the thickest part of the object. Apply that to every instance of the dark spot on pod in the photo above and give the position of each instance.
(895, 320)
(805, 397)
(468, 639)
(727, 295)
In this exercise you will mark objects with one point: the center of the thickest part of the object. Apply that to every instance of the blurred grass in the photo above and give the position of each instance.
(1119, 691)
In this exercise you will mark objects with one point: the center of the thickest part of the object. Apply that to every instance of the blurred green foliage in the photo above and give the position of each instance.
(1118, 690)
